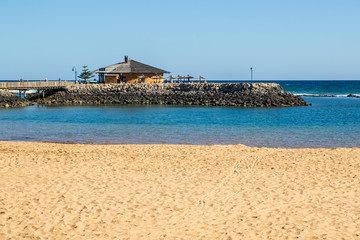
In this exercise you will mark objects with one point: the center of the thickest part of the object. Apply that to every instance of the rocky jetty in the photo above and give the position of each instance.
(8, 99)
(204, 94)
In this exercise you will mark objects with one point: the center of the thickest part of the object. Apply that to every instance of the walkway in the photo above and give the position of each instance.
(35, 85)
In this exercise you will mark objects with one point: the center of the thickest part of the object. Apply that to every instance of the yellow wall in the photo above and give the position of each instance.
(133, 78)
(111, 78)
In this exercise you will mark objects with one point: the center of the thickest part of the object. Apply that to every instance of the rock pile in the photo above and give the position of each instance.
(205, 94)
(8, 99)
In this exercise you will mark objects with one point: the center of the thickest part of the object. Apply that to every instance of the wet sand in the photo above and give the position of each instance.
(73, 191)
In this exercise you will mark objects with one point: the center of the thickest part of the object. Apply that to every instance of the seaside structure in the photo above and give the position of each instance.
(130, 71)
(41, 87)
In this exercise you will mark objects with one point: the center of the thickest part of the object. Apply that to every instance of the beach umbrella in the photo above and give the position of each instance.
(200, 77)
(178, 77)
(188, 77)
(170, 77)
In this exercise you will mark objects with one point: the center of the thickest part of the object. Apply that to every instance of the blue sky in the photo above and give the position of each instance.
(281, 39)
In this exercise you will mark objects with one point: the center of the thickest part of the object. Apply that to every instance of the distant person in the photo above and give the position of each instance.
(21, 80)
(46, 80)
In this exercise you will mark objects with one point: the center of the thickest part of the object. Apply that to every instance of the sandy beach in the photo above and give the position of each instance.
(74, 191)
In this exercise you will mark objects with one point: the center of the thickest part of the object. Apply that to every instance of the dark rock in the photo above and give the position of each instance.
(354, 96)
(207, 94)
(8, 99)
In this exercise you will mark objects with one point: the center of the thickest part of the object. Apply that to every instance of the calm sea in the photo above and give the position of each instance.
(329, 122)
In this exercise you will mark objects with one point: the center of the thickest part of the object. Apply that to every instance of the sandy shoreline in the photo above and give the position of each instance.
(74, 191)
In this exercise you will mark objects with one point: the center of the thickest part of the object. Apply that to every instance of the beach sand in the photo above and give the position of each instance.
(73, 191)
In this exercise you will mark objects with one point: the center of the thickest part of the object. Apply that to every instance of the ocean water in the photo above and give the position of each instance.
(329, 122)
(332, 88)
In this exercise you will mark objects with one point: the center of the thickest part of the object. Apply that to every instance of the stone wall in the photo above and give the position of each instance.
(205, 94)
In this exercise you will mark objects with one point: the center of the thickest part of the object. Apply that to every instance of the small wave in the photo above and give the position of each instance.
(327, 95)
(317, 95)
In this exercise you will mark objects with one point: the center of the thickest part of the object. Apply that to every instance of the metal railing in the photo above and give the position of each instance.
(35, 85)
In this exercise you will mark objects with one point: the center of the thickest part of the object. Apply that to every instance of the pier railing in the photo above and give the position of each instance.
(35, 85)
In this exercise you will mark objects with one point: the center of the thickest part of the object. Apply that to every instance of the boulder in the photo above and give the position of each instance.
(8, 99)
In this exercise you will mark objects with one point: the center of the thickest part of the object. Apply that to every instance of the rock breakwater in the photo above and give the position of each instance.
(8, 99)
(204, 94)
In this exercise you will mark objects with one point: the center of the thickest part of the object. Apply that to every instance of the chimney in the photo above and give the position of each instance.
(126, 59)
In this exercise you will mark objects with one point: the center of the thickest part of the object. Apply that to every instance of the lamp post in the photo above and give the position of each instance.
(74, 70)
(251, 72)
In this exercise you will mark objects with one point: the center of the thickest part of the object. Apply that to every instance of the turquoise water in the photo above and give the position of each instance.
(336, 88)
(329, 122)
(321, 87)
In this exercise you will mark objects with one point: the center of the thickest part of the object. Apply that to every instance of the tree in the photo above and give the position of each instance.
(86, 74)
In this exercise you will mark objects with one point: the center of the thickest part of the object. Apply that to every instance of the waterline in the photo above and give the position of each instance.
(330, 122)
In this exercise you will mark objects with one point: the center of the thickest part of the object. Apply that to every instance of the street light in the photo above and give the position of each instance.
(74, 70)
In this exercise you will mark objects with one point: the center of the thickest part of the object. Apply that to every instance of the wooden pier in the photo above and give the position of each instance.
(41, 87)
(24, 86)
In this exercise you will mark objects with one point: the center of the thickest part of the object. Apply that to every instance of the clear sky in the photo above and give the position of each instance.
(281, 39)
